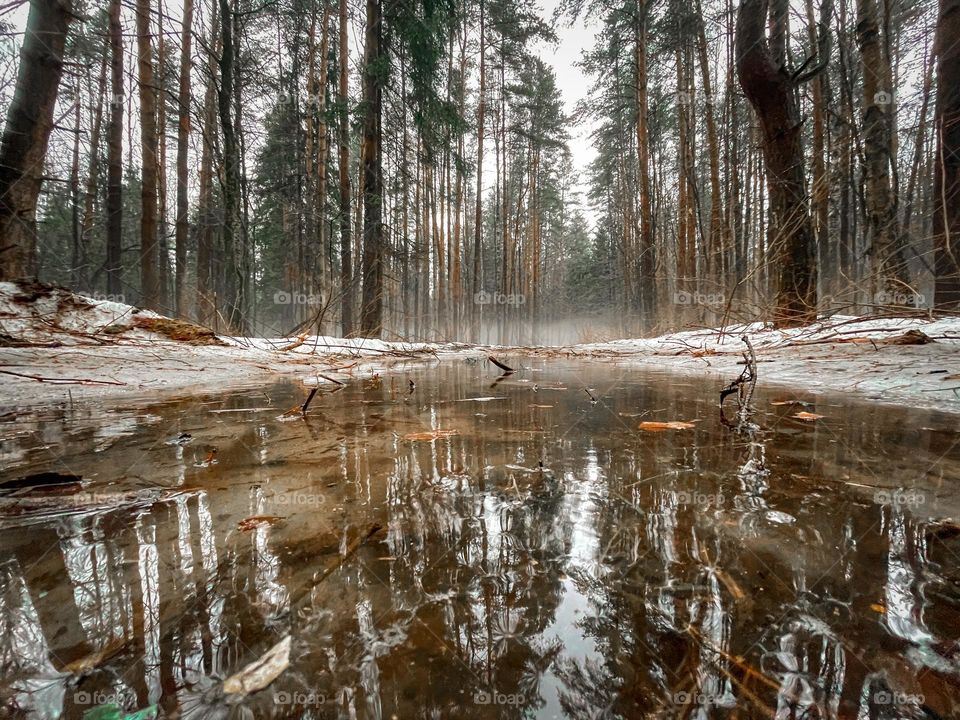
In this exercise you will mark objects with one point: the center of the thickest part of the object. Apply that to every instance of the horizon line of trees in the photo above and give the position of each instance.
(403, 170)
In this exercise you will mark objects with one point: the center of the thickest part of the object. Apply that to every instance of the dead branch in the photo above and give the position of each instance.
(506, 368)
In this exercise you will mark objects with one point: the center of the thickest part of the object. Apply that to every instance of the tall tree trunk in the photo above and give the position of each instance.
(647, 258)
(883, 236)
(115, 155)
(770, 89)
(371, 312)
(27, 132)
(93, 171)
(183, 140)
(320, 201)
(946, 215)
(149, 254)
(346, 257)
(478, 200)
(230, 275)
(206, 283)
(715, 250)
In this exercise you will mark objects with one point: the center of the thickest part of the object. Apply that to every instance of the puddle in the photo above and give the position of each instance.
(543, 559)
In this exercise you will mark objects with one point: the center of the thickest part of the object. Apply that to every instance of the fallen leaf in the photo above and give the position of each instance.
(430, 435)
(808, 416)
(95, 659)
(260, 673)
(877, 607)
(257, 521)
(779, 403)
(670, 425)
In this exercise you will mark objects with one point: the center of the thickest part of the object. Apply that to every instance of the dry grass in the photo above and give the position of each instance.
(178, 330)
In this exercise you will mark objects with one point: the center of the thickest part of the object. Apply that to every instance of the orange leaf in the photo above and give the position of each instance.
(808, 416)
(430, 435)
(257, 521)
(670, 425)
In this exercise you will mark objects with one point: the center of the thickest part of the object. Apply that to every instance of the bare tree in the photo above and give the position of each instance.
(27, 132)
(771, 89)
(946, 217)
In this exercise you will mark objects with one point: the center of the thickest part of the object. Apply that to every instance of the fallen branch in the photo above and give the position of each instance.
(506, 368)
(62, 381)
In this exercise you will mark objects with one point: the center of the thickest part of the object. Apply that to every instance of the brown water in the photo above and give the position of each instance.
(810, 573)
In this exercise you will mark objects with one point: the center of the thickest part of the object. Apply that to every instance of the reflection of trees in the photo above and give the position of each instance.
(613, 582)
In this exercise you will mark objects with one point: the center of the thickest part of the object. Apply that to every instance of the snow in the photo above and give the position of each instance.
(71, 356)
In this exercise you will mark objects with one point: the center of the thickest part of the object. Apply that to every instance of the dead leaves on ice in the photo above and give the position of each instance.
(260, 673)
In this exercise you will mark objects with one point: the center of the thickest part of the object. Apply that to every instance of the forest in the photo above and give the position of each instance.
(403, 168)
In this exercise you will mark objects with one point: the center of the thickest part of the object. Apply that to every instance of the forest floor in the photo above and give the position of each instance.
(57, 347)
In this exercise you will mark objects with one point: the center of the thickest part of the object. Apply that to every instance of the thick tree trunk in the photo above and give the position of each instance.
(371, 313)
(149, 254)
(770, 90)
(883, 234)
(206, 284)
(26, 134)
(946, 204)
(115, 155)
(183, 140)
(346, 257)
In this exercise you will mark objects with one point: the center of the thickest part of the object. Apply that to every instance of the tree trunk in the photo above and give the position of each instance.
(946, 216)
(183, 140)
(883, 235)
(115, 155)
(26, 134)
(478, 200)
(230, 276)
(149, 255)
(93, 171)
(346, 258)
(371, 313)
(770, 90)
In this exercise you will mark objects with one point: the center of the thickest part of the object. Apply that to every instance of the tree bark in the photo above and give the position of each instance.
(115, 155)
(26, 134)
(183, 140)
(478, 200)
(946, 217)
(346, 258)
(883, 235)
(770, 89)
(149, 254)
(371, 313)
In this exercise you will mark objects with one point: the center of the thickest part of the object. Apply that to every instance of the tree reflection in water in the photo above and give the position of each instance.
(549, 560)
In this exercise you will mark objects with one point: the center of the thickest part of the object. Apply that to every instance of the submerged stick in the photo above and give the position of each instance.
(506, 368)
(306, 403)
